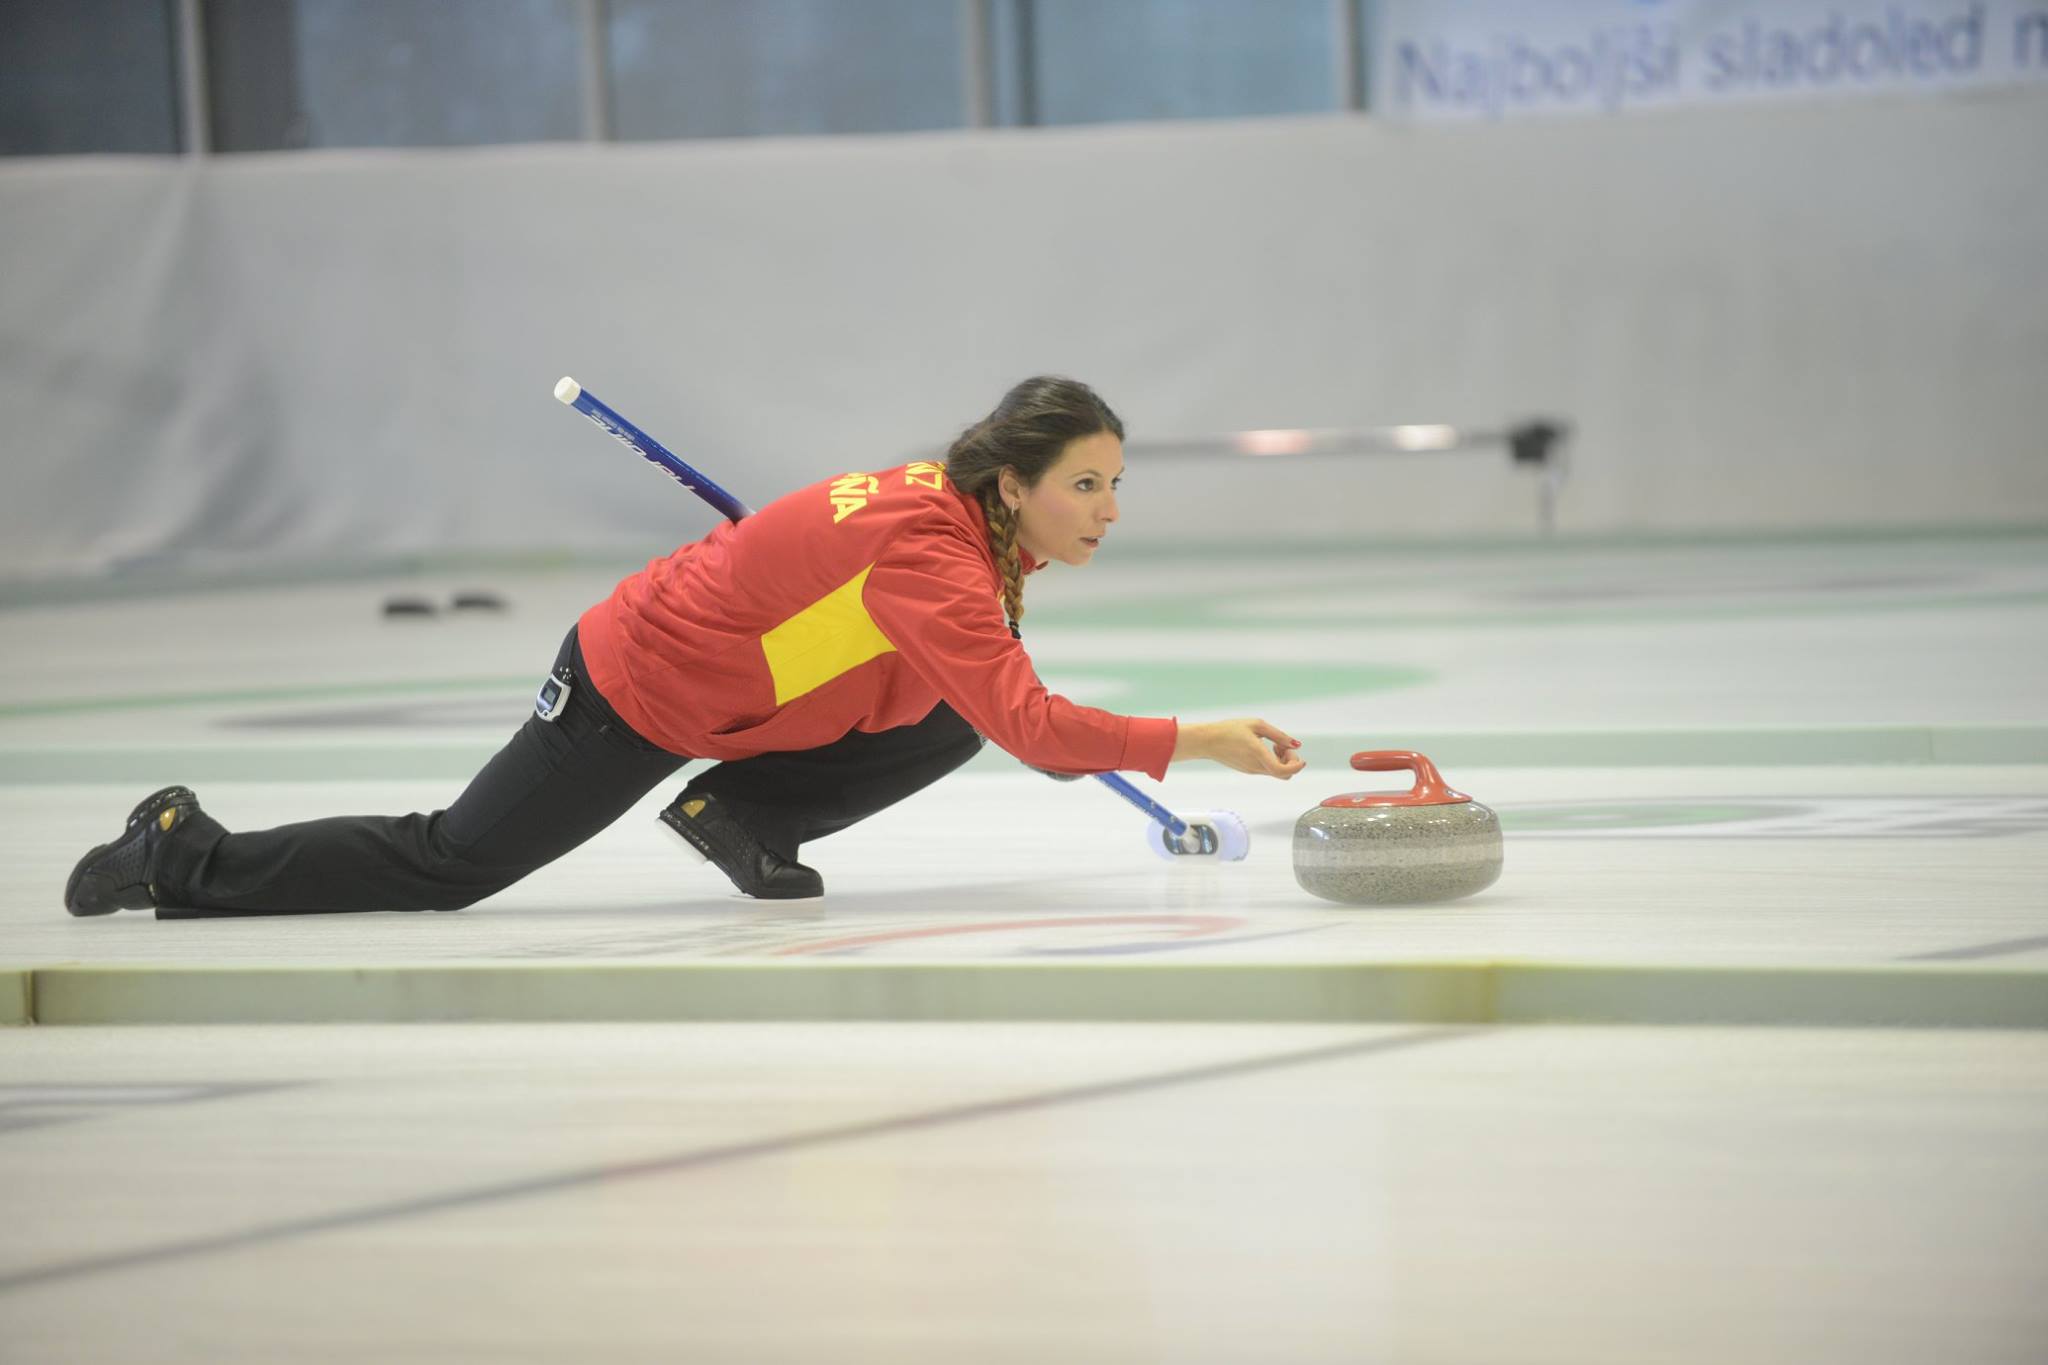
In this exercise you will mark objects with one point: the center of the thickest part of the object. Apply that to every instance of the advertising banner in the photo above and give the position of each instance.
(1497, 59)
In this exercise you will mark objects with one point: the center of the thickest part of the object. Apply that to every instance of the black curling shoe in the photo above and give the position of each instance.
(116, 876)
(709, 828)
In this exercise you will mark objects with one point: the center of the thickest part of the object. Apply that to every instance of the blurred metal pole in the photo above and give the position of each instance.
(1347, 21)
(977, 24)
(1027, 62)
(1368, 38)
(194, 105)
(597, 72)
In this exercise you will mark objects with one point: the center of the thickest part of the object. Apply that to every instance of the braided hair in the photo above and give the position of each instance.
(1026, 434)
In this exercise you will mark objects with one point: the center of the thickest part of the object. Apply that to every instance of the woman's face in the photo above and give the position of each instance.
(1065, 515)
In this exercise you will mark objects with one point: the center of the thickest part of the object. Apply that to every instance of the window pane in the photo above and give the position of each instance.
(1151, 59)
(722, 68)
(87, 76)
(392, 73)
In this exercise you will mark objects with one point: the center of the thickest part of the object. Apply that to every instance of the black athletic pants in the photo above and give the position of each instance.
(553, 786)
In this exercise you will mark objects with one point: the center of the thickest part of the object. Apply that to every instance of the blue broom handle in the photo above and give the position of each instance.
(600, 412)
(1121, 785)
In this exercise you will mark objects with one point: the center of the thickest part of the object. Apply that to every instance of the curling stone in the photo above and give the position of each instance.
(1397, 848)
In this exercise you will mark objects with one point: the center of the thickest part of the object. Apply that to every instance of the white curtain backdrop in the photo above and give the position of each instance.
(1761, 317)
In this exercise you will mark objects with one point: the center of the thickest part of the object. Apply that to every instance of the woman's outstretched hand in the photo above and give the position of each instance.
(1249, 745)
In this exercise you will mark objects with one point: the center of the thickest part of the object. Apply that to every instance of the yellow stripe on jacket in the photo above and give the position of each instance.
(833, 635)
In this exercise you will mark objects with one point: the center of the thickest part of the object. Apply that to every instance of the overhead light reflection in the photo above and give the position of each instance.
(1425, 437)
(1276, 442)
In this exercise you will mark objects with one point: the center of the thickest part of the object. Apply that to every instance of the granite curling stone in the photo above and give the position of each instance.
(1397, 848)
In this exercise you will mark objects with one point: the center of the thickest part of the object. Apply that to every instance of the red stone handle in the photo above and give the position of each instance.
(1430, 788)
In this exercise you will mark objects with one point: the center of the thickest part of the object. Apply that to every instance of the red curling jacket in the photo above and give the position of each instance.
(857, 603)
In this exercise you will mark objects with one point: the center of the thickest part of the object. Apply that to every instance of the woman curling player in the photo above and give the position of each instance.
(843, 648)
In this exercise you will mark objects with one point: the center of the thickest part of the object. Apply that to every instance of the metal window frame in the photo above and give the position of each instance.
(594, 17)
(1350, 22)
(195, 132)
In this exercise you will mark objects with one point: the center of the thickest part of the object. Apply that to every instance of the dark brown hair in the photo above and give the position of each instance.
(1026, 434)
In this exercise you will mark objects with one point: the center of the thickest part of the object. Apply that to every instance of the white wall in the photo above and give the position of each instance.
(1787, 316)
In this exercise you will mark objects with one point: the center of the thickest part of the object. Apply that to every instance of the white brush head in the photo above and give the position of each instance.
(1213, 836)
(568, 390)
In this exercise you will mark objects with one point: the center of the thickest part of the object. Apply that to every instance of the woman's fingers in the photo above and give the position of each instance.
(1280, 760)
(1266, 730)
(1247, 744)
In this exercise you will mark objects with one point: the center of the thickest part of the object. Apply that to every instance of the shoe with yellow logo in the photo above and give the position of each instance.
(709, 829)
(116, 876)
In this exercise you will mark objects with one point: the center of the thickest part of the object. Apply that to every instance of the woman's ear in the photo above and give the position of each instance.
(1011, 489)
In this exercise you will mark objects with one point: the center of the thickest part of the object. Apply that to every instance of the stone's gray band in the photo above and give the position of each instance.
(1397, 855)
